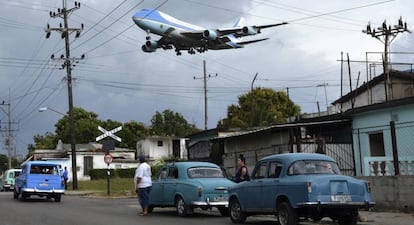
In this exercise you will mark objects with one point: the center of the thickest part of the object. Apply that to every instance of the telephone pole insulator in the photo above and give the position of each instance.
(386, 34)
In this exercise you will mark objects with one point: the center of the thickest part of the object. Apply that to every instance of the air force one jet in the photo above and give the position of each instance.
(184, 36)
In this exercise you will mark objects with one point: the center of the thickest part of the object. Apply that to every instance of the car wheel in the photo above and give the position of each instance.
(150, 208)
(15, 194)
(224, 211)
(286, 215)
(58, 198)
(24, 196)
(181, 208)
(349, 219)
(236, 214)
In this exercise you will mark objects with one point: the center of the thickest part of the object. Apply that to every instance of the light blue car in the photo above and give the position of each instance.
(189, 185)
(41, 178)
(299, 185)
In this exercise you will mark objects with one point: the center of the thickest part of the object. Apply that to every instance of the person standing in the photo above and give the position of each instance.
(143, 184)
(242, 173)
(65, 176)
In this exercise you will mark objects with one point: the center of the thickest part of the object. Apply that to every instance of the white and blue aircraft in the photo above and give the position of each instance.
(184, 36)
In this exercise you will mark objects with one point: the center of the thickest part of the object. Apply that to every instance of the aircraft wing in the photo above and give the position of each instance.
(247, 30)
(222, 32)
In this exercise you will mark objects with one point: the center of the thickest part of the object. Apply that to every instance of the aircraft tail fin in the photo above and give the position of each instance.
(241, 22)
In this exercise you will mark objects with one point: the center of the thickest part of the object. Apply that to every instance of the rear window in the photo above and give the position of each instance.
(204, 172)
(44, 169)
(313, 167)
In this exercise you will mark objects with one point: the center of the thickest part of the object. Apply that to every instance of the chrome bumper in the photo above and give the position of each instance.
(37, 191)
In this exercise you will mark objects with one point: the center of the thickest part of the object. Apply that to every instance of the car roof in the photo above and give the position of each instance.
(39, 162)
(291, 157)
(189, 164)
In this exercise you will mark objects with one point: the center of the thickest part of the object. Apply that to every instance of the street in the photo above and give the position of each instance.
(75, 210)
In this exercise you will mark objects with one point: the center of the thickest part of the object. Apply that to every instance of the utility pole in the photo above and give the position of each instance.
(386, 34)
(65, 31)
(205, 91)
(8, 140)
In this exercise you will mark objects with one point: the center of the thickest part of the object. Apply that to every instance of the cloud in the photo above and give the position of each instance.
(120, 82)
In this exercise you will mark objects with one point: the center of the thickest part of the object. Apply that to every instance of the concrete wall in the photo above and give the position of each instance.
(393, 193)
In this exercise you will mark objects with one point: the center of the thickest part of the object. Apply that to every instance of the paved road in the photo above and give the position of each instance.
(74, 210)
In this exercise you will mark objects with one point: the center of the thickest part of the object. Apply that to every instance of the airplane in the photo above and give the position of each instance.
(185, 36)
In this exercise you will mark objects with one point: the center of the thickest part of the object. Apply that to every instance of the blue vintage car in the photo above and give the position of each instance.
(189, 185)
(41, 178)
(299, 185)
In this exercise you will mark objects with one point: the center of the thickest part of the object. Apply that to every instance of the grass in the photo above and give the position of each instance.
(118, 186)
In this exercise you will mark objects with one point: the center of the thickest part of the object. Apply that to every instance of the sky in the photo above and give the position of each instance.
(118, 81)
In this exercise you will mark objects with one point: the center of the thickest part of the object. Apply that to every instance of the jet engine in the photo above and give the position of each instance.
(150, 46)
(250, 30)
(210, 35)
(146, 49)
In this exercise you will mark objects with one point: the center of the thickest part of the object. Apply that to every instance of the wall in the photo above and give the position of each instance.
(393, 193)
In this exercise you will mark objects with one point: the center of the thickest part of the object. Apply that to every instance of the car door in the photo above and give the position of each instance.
(170, 185)
(157, 190)
(270, 186)
(255, 188)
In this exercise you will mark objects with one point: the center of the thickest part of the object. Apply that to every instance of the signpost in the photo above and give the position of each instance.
(108, 157)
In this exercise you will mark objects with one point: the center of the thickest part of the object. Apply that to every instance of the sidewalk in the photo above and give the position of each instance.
(386, 218)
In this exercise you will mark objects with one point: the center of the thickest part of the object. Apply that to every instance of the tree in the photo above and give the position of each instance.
(171, 124)
(86, 126)
(4, 161)
(260, 107)
(46, 141)
(132, 131)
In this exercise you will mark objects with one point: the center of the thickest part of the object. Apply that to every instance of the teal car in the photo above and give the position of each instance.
(300, 185)
(40, 178)
(189, 185)
(7, 180)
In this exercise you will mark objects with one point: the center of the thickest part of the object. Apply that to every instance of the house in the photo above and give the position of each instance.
(383, 134)
(88, 156)
(381, 112)
(158, 147)
(382, 88)
(328, 135)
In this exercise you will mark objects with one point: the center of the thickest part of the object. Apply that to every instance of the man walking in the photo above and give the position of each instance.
(143, 184)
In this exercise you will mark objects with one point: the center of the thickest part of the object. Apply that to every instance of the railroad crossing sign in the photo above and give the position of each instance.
(110, 133)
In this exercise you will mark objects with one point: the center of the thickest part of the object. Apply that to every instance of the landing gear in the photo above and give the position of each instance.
(178, 52)
(191, 51)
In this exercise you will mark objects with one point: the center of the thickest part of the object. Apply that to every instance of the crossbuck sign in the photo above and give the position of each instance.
(110, 133)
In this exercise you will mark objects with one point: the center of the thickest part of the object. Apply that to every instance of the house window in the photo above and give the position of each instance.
(376, 144)
(87, 164)
(160, 143)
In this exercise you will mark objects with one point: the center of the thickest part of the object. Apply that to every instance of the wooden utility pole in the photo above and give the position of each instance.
(67, 64)
(205, 77)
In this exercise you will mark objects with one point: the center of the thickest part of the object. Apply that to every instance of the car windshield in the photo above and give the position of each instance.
(204, 172)
(313, 167)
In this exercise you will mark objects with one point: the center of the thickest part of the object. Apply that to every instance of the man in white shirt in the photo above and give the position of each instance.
(143, 184)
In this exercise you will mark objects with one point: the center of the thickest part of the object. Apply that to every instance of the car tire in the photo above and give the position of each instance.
(24, 196)
(181, 208)
(58, 198)
(286, 215)
(224, 211)
(15, 194)
(350, 219)
(150, 208)
(236, 214)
